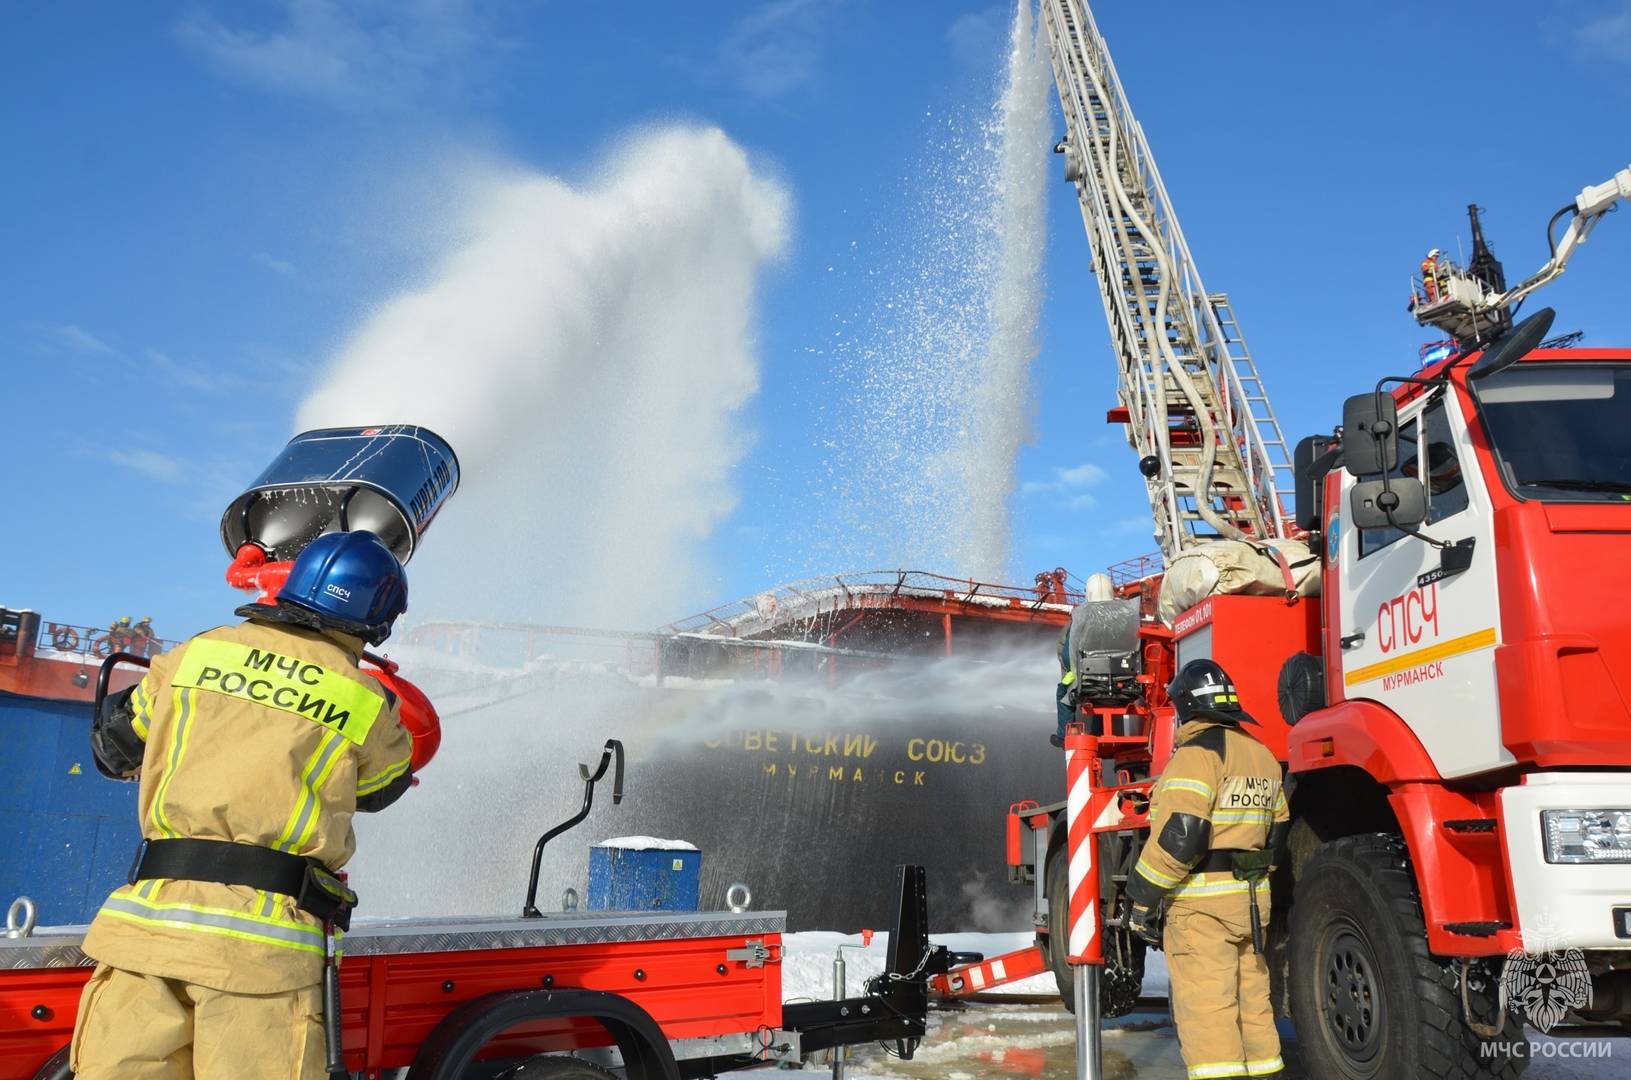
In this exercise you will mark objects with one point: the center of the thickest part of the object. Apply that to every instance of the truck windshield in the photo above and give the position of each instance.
(1561, 432)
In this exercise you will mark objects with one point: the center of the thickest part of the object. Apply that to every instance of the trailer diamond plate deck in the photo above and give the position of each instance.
(58, 946)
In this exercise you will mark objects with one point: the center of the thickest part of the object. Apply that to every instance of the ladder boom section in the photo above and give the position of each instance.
(1194, 402)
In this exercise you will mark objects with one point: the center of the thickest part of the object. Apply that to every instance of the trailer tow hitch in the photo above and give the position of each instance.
(1479, 1028)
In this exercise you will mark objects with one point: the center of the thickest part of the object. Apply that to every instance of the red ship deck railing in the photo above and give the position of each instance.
(813, 597)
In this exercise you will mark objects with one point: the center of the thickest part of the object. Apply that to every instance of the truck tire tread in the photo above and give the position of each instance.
(1449, 1050)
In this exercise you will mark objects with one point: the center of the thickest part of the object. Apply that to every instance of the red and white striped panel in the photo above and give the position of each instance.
(978, 978)
(1081, 767)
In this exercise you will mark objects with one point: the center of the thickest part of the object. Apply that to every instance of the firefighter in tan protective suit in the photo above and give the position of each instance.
(254, 745)
(1217, 819)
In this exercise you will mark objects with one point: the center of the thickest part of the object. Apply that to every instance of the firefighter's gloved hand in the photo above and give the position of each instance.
(1145, 921)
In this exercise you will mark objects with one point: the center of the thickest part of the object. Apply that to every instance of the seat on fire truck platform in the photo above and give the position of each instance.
(1105, 651)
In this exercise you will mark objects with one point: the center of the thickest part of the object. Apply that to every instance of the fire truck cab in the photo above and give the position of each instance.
(1475, 731)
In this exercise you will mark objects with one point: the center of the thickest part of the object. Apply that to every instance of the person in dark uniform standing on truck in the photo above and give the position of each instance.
(1218, 817)
(254, 745)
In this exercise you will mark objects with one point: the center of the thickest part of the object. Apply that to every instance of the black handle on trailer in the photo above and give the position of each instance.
(105, 672)
(613, 749)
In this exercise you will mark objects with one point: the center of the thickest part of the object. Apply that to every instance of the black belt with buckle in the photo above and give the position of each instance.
(315, 888)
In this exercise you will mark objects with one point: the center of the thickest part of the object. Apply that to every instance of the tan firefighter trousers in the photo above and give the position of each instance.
(1220, 990)
(142, 1027)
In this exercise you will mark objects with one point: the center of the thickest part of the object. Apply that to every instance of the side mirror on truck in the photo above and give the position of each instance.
(1404, 496)
(1370, 434)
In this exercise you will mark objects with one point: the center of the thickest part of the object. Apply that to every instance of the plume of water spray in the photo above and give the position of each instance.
(505, 773)
(1000, 407)
(586, 350)
(936, 385)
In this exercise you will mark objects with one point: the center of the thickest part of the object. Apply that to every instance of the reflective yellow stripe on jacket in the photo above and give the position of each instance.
(1217, 883)
(367, 785)
(1178, 783)
(183, 702)
(195, 918)
(1150, 873)
(141, 711)
(303, 818)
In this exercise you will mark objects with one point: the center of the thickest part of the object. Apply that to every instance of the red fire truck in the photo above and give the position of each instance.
(1450, 693)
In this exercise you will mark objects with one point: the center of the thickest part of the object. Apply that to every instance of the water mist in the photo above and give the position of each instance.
(936, 380)
(586, 350)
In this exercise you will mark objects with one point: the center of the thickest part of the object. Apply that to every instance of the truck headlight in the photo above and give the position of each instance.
(1587, 836)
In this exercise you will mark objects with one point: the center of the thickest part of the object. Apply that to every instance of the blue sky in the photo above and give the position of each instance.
(202, 200)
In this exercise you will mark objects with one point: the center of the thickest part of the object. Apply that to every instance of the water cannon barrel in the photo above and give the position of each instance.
(389, 480)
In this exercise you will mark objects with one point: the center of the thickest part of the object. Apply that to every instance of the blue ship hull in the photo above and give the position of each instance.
(67, 833)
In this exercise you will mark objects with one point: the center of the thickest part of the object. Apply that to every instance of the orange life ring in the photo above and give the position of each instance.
(64, 638)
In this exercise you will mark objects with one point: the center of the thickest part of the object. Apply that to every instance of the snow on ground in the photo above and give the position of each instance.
(808, 958)
(991, 1040)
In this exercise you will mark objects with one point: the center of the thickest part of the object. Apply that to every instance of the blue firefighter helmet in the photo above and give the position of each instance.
(351, 582)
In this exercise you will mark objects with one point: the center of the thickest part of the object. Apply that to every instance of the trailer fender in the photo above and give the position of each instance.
(55, 1067)
(1364, 735)
(463, 1032)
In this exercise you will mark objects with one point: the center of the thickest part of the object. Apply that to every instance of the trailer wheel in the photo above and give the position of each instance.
(556, 1068)
(1123, 978)
(1369, 1001)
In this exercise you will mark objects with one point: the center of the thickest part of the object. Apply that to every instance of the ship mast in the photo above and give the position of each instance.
(1192, 403)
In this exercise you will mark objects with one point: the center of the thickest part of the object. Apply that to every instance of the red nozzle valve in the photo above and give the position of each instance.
(252, 573)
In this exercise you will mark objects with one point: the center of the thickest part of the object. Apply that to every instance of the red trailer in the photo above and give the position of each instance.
(662, 995)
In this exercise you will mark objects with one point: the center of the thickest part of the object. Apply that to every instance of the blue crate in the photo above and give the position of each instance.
(637, 879)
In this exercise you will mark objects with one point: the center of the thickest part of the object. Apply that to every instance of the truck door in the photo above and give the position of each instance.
(1423, 648)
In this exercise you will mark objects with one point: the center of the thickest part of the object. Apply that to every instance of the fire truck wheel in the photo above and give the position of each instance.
(1369, 1001)
(556, 1068)
(1123, 977)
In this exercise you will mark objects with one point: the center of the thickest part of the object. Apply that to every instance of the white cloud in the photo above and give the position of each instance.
(190, 377)
(776, 47)
(281, 267)
(1068, 479)
(362, 54)
(73, 338)
(979, 38)
(1593, 30)
(149, 463)
(1609, 35)
(1080, 476)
